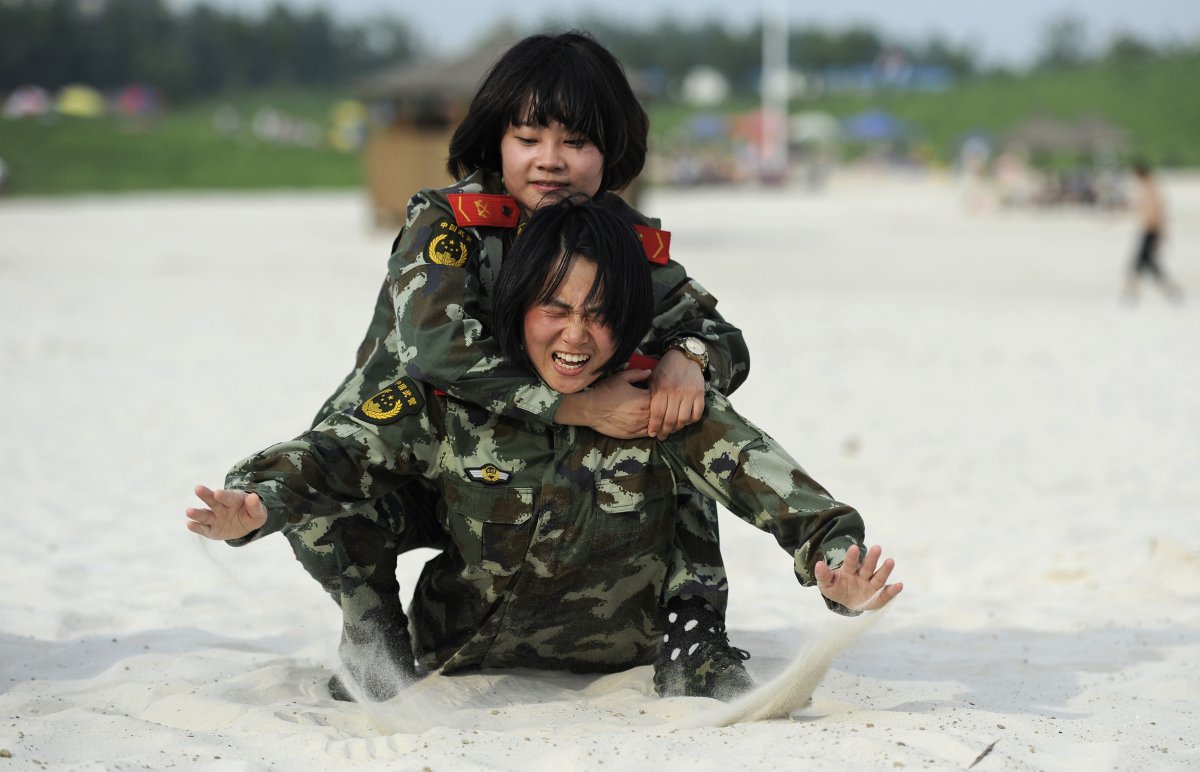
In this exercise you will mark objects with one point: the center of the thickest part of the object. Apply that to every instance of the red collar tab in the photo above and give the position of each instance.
(641, 362)
(491, 209)
(656, 243)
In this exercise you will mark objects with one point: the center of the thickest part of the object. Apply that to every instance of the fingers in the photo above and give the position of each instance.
(255, 509)
(871, 561)
(658, 409)
(850, 562)
(635, 376)
(200, 521)
(670, 413)
(823, 575)
(199, 516)
(880, 577)
(861, 580)
(670, 421)
(883, 597)
(206, 495)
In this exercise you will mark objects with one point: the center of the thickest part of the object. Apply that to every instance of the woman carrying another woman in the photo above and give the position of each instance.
(555, 113)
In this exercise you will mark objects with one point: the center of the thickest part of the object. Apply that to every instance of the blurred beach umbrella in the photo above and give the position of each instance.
(705, 87)
(79, 101)
(708, 126)
(349, 130)
(27, 102)
(758, 126)
(138, 99)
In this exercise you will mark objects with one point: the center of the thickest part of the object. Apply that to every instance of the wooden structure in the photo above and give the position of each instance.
(415, 110)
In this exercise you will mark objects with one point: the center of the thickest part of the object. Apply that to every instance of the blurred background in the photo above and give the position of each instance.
(1032, 103)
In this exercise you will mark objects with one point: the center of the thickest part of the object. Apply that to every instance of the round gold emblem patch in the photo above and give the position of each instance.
(382, 406)
(448, 248)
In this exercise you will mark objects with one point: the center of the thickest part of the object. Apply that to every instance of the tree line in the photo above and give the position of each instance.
(202, 51)
(186, 54)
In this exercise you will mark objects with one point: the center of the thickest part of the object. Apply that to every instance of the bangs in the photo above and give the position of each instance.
(570, 79)
(556, 236)
(555, 98)
(558, 273)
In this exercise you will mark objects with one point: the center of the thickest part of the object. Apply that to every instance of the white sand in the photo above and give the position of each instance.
(1024, 445)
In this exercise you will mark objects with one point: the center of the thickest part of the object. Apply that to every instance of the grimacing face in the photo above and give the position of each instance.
(566, 340)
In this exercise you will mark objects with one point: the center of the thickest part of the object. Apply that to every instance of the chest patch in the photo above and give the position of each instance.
(489, 474)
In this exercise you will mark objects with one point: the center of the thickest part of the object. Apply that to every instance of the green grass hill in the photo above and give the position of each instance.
(1150, 100)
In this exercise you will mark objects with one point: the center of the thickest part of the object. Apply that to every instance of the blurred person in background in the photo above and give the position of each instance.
(1150, 209)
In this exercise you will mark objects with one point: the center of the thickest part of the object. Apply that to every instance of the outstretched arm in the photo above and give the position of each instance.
(744, 469)
(229, 514)
(859, 586)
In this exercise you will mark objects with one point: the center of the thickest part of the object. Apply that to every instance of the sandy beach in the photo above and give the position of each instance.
(1024, 443)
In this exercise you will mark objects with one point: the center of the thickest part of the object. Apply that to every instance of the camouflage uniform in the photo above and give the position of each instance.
(427, 324)
(555, 538)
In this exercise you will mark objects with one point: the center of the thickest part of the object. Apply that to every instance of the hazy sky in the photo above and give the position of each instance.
(1007, 31)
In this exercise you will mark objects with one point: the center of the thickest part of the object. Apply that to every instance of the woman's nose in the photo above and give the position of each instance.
(550, 156)
(576, 330)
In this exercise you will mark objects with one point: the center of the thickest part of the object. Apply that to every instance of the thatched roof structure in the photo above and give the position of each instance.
(454, 78)
(1046, 134)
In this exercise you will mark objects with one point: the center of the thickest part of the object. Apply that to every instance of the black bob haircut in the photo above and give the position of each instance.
(558, 234)
(569, 78)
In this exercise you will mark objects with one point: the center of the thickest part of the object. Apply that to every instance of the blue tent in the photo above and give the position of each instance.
(873, 125)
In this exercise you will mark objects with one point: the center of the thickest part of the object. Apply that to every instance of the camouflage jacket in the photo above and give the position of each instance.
(558, 536)
(432, 314)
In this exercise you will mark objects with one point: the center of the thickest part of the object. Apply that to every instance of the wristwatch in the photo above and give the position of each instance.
(694, 349)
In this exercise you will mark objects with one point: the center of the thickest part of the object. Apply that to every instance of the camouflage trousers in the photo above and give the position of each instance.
(354, 558)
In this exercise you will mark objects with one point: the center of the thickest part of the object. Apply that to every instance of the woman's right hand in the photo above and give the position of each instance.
(613, 406)
(229, 514)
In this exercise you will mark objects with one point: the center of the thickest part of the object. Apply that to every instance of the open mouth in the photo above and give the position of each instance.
(570, 363)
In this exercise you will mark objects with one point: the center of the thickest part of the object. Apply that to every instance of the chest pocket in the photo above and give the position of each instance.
(491, 527)
(634, 516)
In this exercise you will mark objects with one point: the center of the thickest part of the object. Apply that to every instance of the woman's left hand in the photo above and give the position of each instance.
(861, 586)
(676, 394)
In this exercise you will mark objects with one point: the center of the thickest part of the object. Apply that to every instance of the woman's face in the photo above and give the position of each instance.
(537, 160)
(565, 340)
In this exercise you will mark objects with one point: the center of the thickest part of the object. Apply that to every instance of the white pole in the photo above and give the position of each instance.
(773, 150)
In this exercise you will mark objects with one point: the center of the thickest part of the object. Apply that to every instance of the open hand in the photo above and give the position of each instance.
(859, 586)
(230, 514)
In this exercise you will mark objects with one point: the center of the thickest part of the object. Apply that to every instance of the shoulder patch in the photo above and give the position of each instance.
(657, 243)
(448, 245)
(391, 404)
(491, 209)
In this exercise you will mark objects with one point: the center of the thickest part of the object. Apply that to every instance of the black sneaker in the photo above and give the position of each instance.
(695, 658)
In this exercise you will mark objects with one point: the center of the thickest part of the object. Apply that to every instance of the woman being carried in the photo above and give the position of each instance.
(555, 541)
